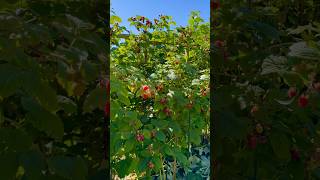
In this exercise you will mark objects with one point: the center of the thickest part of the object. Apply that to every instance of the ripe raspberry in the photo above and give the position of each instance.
(292, 92)
(295, 155)
(303, 101)
(142, 19)
(148, 23)
(167, 111)
(140, 137)
(252, 142)
(163, 101)
(145, 87)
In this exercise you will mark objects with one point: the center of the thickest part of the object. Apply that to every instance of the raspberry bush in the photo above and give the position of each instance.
(160, 98)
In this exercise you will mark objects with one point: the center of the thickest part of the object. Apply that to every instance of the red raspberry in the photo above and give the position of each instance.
(145, 87)
(148, 23)
(252, 141)
(292, 92)
(167, 111)
(295, 155)
(142, 19)
(140, 137)
(163, 101)
(303, 101)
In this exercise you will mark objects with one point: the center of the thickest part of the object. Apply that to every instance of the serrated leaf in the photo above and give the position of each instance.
(33, 163)
(129, 145)
(40, 90)
(274, 64)
(195, 136)
(161, 136)
(68, 167)
(42, 119)
(168, 150)
(301, 50)
(10, 78)
(8, 166)
(96, 99)
(14, 140)
(67, 104)
(280, 145)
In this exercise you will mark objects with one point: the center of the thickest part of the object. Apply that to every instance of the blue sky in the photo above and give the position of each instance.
(178, 9)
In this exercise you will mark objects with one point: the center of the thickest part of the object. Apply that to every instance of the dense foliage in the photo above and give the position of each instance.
(53, 55)
(266, 91)
(160, 98)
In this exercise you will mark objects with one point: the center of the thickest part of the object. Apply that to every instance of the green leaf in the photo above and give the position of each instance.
(129, 144)
(293, 79)
(123, 97)
(316, 173)
(123, 167)
(274, 64)
(89, 71)
(40, 90)
(115, 19)
(181, 157)
(8, 166)
(146, 133)
(15, 140)
(301, 50)
(68, 167)
(162, 124)
(280, 145)
(195, 136)
(10, 79)
(67, 104)
(95, 99)
(228, 125)
(265, 29)
(157, 163)
(33, 163)
(43, 119)
(168, 150)
(143, 164)
(161, 136)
